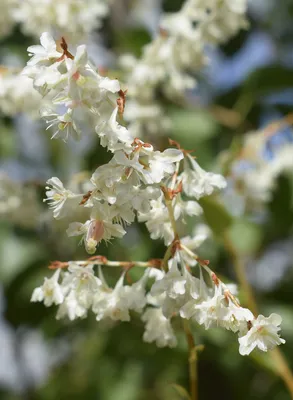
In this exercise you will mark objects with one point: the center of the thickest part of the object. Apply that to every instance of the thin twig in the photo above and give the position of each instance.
(191, 345)
(193, 379)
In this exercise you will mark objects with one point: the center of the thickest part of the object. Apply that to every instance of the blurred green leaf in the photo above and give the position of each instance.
(192, 126)
(268, 79)
(217, 217)
(131, 40)
(245, 236)
(280, 209)
(14, 262)
(181, 391)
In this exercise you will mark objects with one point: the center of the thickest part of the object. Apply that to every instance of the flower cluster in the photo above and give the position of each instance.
(176, 292)
(177, 52)
(69, 17)
(160, 188)
(17, 93)
(264, 156)
(18, 202)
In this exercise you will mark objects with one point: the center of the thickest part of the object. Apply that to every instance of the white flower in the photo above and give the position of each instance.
(17, 94)
(83, 282)
(206, 312)
(44, 78)
(111, 303)
(113, 135)
(66, 126)
(263, 334)
(235, 318)
(197, 182)
(45, 53)
(141, 198)
(71, 307)
(163, 163)
(178, 288)
(78, 64)
(99, 227)
(151, 166)
(50, 292)
(135, 294)
(158, 221)
(158, 328)
(105, 179)
(60, 199)
(191, 208)
(109, 85)
(68, 18)
(173, 283)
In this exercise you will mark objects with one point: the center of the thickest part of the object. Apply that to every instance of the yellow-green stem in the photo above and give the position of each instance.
(192, 359)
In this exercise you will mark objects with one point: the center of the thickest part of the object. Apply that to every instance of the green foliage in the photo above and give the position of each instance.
(217, 217)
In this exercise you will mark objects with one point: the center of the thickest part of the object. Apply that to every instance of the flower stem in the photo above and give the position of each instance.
(280, 362)
(192, 359)
(193, 380)
(171, 216)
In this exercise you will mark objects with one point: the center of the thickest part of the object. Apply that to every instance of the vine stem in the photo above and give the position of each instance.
(101, 260)
(281, 364)
(192, 358)
(193, 380)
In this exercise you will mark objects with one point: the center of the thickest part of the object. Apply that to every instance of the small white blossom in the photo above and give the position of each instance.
(71, 307)
(66, 126)
(83, 282)
(135, 294)
(197, 182)
(207, 312)
(99, 227)
(50, 292)
(158, 221)
(62, 17)
(59, 198)
(177, 287)
(263, 334)
(111, 303)
(173, 283)
(113, 135)
(158, 328)
(17, 94)
(46, 53)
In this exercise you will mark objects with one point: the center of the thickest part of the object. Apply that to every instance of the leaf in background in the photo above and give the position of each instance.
(217, 217)
(246, 236)
(281, 209)
(192, 126)
(131, 40)
(15, 254)
(267, 79)
(263, 81)
(181, 391)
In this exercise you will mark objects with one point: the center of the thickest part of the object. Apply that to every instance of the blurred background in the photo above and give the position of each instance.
(238, 120)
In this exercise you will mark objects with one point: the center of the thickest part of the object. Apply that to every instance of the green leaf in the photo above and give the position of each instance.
(261, 82)
(192, 126)
(131, 40)
(246, 236)
(281, 209)
(181, 391)
(268, 79)
(217, 217)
